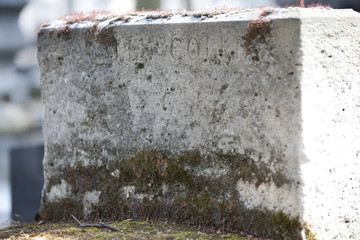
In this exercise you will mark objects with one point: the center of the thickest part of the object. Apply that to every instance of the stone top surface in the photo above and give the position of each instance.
(102, 19)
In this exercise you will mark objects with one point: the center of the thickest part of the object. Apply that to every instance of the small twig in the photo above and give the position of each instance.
(98, 225)
(109, 227)
(76, 220)
(45, 229)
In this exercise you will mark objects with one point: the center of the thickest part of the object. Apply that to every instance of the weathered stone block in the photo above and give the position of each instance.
(241, 120)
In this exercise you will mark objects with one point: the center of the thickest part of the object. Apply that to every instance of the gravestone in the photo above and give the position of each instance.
(244, 120)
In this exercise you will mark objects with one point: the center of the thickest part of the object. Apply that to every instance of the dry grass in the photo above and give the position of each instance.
(312, 5)
(128, 230)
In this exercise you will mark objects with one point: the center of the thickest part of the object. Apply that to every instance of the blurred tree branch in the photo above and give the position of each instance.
(300, 3)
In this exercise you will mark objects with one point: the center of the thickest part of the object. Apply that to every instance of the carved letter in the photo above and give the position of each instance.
(175, 48)
(193, 48)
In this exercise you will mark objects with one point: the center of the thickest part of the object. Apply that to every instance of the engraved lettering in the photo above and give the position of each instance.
(193, 48)
(129, 49)
(175, 48)
(221, 48)
(207, 47)
(239, 43)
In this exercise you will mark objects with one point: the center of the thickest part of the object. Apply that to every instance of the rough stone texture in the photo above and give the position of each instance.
(245, 120)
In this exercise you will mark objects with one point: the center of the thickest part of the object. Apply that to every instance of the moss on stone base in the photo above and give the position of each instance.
(189, 188)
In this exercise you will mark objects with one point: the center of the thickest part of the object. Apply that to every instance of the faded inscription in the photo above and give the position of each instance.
(193, 48)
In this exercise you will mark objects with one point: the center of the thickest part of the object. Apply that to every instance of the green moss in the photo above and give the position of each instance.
(204, 202)
(191, 158)
(102, 235)
(233, 237)
(279, 179)
(200, 204)
(308, 233)
(70, 231)
(183, 235)
(129, 230)
(251, 172)
(151, 167)
(164, 186)
(285, 227)
(61, 209)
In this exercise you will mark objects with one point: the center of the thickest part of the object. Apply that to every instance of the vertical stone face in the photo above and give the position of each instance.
(331, 123)
(200, 121)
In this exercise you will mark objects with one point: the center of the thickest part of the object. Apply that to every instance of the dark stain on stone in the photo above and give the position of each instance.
(138, 66)
(60, 60)
(105, 36)
(257, 33)
(221, 53)
(223, 88)
(259, 174)
(63, 33)
(41, 32)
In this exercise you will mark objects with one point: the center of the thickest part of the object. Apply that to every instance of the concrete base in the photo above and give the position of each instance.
(241, 120)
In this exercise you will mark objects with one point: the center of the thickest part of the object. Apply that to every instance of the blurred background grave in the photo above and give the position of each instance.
(21, 147)
(26, 181)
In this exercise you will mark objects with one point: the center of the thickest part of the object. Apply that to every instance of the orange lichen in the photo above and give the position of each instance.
(257, 31)
(159, 14)
(265, 13)
(313, 5)
(88, 16)
(63, 33)
(154, 14)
